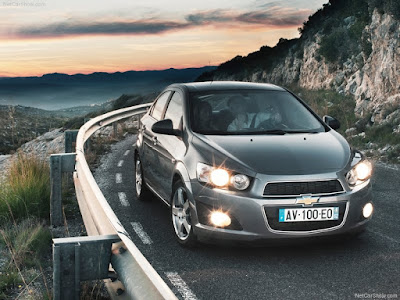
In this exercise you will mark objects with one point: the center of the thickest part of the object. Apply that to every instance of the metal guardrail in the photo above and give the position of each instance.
(138, 277)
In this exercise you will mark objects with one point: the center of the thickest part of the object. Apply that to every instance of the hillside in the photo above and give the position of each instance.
(351, 47)
(19, 124)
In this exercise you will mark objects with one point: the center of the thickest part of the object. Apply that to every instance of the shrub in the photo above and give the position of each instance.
(382, 134)
(26, 191)
(329, 102)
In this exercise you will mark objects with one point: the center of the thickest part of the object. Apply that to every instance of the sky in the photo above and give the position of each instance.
(84, 36)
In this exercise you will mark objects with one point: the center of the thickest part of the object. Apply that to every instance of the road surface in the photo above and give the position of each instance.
(365, 267)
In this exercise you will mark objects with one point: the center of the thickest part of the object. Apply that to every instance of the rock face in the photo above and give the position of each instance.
(42, 147)
(373, 79)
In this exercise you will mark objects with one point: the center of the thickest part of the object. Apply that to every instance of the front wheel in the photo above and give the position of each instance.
(181, 216)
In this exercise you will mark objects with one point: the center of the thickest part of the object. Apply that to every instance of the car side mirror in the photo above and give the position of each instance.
(165, 127)
(331, 122)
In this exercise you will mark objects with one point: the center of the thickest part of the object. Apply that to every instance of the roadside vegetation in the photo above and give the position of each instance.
(19, 125)
(24, 235)
(377, 141)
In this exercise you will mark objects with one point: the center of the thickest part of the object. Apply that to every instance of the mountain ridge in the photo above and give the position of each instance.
(105, 75)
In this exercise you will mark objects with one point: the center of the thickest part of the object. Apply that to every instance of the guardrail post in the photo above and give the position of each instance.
(77, 259)
(115, 129)
(88, 143)
(59, 163)
(55, 191)
(70, 140)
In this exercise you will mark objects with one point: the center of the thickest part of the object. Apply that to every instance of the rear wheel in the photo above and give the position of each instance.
(181, 216)
(141, 189)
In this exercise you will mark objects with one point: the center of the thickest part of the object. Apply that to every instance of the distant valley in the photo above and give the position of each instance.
(31, 106)
(59, 91)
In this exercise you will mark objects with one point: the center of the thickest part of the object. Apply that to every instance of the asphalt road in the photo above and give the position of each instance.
(365, 267)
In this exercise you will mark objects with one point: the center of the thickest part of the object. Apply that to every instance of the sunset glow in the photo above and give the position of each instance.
(100, 36)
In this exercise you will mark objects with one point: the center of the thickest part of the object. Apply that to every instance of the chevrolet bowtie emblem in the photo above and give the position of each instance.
(307, 200)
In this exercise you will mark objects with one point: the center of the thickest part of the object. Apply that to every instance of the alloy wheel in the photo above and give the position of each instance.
(181, 214)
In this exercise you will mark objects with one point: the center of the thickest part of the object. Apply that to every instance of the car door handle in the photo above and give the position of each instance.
(155, 141)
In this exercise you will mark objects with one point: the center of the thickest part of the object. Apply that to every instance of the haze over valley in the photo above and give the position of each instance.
(60, 91)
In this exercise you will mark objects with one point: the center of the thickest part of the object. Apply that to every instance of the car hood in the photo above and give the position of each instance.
(289, 154)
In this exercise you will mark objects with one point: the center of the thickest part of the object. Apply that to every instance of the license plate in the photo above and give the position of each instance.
(308, 214)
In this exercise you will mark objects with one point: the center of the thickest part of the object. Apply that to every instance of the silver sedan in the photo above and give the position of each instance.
(246, 162)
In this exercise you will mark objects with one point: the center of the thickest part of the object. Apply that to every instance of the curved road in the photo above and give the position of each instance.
(366, 267)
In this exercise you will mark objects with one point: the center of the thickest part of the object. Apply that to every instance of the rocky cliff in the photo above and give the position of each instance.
(354, 51)
(374, 80)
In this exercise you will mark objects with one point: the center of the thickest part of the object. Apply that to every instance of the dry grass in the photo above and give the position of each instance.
(24, 238)
(26, 190)
(25, 243)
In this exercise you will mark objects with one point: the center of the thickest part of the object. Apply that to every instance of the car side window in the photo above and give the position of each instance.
(158, 108)
(174, 110)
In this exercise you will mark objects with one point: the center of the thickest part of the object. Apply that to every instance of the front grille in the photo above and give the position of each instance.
(277, 189)
(273, 218)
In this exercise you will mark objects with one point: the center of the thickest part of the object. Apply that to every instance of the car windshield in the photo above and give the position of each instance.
(250, 112)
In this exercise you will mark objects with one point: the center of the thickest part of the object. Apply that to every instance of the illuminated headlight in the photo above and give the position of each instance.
(368, 210)
(360, 173)
(220, 177)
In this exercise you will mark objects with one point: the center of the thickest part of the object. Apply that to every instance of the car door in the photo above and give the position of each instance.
(169, 148)
(150, 159)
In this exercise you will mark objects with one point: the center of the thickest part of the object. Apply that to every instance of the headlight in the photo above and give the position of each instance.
(240, 182)
(221, 177)
(359, 173)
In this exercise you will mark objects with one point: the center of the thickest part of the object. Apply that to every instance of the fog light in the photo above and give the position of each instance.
(368, 210)
(220, 219)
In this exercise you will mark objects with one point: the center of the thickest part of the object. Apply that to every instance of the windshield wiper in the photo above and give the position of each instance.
(273, 131)
(301, 131)
(282, 132)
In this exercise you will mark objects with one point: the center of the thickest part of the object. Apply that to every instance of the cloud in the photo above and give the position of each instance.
(274, 16)
(139, 27)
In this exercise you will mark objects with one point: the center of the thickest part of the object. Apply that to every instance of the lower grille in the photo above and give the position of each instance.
(276, 189)
(273, 218)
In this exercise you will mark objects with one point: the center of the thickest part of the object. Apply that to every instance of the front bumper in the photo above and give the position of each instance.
(252, 219)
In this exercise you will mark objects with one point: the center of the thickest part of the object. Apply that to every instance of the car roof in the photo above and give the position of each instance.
(225, 85)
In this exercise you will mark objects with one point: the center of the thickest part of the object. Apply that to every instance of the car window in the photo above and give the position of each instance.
(250, 112)
(158, 108)
(174, 110)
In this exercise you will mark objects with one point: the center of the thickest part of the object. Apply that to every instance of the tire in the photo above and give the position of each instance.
(181, 216)
(141, 190)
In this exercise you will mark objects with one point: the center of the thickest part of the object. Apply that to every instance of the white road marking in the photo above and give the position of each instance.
(138, 228)
(383, 236)
(122, 199)
(120, 163)
(127, 152)
(118, 178)
(181, 286)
